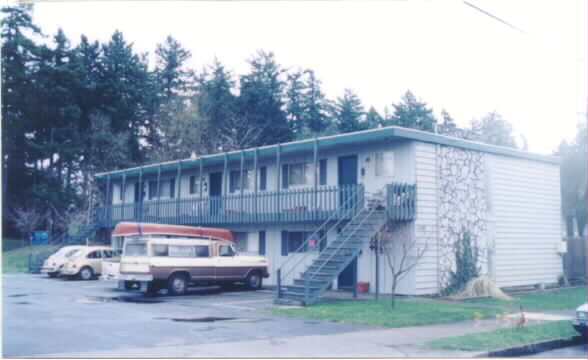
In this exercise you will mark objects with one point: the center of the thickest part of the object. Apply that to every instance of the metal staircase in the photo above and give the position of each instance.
(333, 259)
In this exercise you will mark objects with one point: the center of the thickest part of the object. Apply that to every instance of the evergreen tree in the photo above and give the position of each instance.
(493, 129)
(316, 105)
(295, 106)
(216, 105)
(373, 119)
(412, 113)
(348, 113)
(261, 102)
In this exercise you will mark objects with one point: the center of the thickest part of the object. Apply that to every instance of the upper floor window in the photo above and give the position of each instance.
(263, 178)
(296, 174)
(152, 189)
(172, 187)
(235, 180)
(193, 184)
(323, 172)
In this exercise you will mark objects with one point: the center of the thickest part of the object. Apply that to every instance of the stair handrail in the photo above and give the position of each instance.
(318, 230)
(348, 235)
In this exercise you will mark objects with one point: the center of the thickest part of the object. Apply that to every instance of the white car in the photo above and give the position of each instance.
(55, 262)
(581, 318)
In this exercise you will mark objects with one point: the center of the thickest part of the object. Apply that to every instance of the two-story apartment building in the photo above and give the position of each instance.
(325, 198)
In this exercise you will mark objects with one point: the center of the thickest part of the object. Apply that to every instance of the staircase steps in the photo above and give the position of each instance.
(333, 258)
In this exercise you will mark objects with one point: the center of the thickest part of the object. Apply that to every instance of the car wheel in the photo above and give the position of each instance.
(86, 273)
(177, 284)
(254, 280)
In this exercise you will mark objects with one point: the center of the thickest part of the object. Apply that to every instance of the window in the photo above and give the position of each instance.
(182, 251)
(384, 163)
(160, 250)
(235, 180)
(152, 189)
(121, 193)
(240, 241)
(225, 250)
(109, 254)
(95, 255)
(296, 174)
(323, 172)
(292, 242)
(263, 178)
(192, 184)
(202, 251)
(262, 243)
(136, 249)
(172, 187)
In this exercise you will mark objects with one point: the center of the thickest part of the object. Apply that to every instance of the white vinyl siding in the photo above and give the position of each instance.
(526, 221)
(426, 277)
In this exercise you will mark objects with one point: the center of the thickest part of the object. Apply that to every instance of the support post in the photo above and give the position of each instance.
(140, 186)
(123, 195)
(158, 191)
(179, 191)
(226, 179)
(377, 252)
(279, 283)
(241, 185)
(278, 179)
(255, 184)
(355, 279)
(107, 203)
(201, 182)
(316, 175)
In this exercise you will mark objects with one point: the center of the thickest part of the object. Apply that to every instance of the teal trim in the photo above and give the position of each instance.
(390, 133)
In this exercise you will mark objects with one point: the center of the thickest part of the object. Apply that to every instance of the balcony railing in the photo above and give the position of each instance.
(268, 207)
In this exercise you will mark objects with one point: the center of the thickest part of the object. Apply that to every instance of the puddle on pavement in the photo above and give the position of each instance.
(21, 295)
(23, 303)
(106, 299)
(208, 319)
(312, 322)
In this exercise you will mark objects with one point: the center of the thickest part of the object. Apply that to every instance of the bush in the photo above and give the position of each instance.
(466, 264)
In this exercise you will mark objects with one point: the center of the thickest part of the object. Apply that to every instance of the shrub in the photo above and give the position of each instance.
(466, 263)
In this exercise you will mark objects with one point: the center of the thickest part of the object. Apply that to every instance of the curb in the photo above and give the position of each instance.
(534, 348)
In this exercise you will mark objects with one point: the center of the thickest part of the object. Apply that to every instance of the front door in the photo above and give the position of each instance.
(347, 180)
(139, 200)
(215, 192)
(347, 276)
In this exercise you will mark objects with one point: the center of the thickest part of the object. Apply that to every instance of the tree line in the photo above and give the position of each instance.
(69, 112)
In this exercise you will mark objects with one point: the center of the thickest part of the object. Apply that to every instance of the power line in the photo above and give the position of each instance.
(495, 17)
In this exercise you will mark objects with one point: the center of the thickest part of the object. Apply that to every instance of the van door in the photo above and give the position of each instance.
(226, 264)
(203, 264)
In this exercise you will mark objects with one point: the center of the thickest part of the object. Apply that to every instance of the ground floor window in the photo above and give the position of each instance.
(240, 241)
(296, 242)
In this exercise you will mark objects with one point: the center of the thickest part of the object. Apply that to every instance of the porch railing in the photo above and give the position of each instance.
(267, 207)
(293, 205)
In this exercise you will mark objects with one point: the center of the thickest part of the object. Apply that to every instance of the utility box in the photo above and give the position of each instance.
(40, 238)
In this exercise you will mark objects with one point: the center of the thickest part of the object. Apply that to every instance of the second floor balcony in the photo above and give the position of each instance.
(268, 207)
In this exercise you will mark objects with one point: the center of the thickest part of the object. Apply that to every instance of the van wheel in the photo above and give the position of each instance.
(254, 280)
(177, 284)
(86, 273)
(130, 285)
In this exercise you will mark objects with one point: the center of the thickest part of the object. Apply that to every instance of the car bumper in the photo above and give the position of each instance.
(581, 327)
(136, 277)
(49, 270)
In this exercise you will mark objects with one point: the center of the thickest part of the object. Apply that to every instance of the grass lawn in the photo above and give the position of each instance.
(506, 337)
(560, 299)
(17, 260)
(379, 313)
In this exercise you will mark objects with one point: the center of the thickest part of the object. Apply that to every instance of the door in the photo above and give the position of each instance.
(95, 261)
(139, 200)
(347, 179)
(347, 276)
(215, 192)
(228, 265)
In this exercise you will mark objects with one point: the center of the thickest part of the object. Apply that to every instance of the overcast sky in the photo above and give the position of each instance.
(447, 53)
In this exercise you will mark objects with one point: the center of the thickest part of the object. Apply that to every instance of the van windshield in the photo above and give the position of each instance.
(136, 249)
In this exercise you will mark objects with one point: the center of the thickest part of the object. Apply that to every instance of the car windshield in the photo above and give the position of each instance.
(72, 252)
(135, 249)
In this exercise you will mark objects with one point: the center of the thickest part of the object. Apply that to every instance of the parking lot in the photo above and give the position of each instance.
(43, 316)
